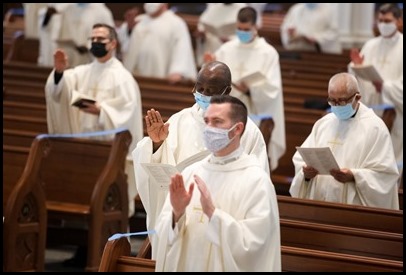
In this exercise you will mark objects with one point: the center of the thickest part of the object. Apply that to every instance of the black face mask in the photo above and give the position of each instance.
(98, 49)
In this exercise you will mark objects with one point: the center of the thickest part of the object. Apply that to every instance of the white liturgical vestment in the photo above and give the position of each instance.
(185, 139)
(361, 144)
(115, 90)
(317, 23)
(386, 54)
(242, 235)
(161, 46)
(265, 97)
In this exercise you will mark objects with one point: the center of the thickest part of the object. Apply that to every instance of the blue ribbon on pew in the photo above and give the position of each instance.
(121, 235)
(81, 135)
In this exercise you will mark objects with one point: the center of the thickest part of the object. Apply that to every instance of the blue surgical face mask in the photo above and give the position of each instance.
(343, 112)
(311, 6)
(216, 139)
(245, 36)
(202, 100)
(83, 5)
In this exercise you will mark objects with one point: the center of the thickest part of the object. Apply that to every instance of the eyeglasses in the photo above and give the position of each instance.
(98, 38)
(209, 91)
(340, 102)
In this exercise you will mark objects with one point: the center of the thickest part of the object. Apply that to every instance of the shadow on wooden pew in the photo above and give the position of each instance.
(24, 214)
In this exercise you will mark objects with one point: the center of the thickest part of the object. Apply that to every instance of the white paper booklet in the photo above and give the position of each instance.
(367, 72)
(321, 158)
(221, 30)
(252, 79)
(162, 173)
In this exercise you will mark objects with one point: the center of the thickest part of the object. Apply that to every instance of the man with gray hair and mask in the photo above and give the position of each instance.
(361, 144)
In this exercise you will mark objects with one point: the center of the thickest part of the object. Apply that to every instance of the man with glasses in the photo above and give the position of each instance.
(385, 53)
(105, 80)
(361, 144)
(181, 137)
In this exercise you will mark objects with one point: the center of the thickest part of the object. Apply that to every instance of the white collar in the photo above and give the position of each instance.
(226, 159)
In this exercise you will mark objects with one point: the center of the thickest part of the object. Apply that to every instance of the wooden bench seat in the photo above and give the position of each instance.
(116, 257)
(355, 216)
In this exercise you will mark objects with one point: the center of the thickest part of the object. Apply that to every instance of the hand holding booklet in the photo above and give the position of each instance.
(320, 158)
(161, 173)
(78, 99)
(367, 72)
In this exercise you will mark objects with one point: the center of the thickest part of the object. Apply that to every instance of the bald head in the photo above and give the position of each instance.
(342, 85)
(214, 78)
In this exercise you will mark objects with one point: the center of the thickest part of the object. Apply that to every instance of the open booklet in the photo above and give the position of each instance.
(320, 158)
(367, 72)
(78, 99)
(252, 79)
(221, 29)
(162, 173)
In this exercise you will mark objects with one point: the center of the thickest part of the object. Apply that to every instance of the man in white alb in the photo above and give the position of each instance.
(311, 27)
(386, 54)
(252, 54)
(221, 213)
(160, 46)
(180, 138)
(361, 144)
(117, 95)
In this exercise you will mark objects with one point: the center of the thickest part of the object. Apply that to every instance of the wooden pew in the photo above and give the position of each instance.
(96, 168)
(296, 259)
(24, 212)
(86, 191)
(355, 216)
(340, 239)
(116, 257)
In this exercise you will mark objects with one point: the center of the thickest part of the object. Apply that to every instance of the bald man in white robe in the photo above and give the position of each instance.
(362, 147)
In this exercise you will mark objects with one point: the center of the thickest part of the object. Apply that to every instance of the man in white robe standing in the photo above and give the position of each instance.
(231, 222)
(160, 46)
(117, 95)
(181, 138)
(252, 54)
(385, 53)
(361, 144)
(311, 27)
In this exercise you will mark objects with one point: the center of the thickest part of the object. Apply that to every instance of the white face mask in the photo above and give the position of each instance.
(216, 139)
(387, 29)
(151, 8)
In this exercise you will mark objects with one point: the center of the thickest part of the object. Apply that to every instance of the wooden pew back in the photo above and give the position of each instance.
(355, 216)
(24, 211)
(116, 257)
